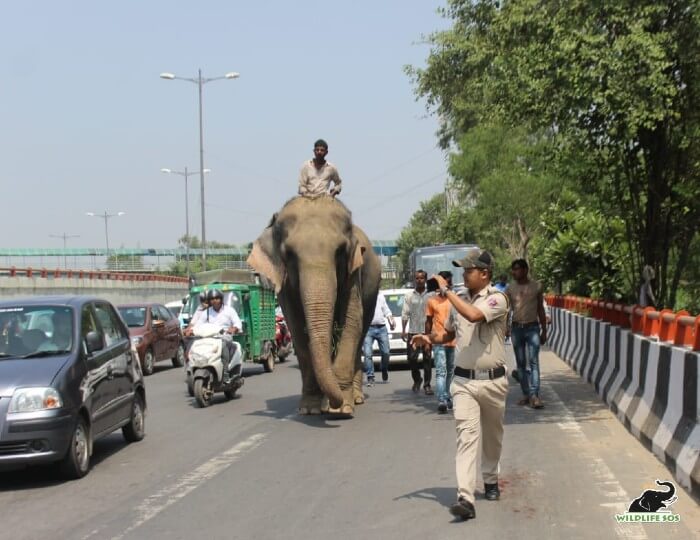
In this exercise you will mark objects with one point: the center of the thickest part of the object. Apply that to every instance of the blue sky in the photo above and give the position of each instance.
(88, 123)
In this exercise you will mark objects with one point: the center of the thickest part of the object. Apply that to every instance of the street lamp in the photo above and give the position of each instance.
(200, 82)
(106, 217)
(185, 174)
(65, 237)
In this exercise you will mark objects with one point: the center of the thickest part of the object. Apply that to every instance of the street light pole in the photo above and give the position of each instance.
(200, 82)
(106, 217)
(65, 237)
(185, 174)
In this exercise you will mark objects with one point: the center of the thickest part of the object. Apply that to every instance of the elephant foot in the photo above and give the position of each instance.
(310, 405)
(304, 411)
(344, 411)
(359, 400)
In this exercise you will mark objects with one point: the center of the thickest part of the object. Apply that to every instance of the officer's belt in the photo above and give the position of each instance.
(480, 374)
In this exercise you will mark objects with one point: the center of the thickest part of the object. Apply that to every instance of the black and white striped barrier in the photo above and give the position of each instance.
(652, 387)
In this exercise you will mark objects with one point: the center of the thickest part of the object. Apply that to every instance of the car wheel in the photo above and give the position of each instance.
(149, 361)
(135, 430)
(179, 358)
(76, 462)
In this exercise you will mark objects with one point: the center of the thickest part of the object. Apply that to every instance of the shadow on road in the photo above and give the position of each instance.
(441, 495)
(41, 476)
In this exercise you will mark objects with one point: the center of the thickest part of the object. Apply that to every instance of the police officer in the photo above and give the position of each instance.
(479, 386)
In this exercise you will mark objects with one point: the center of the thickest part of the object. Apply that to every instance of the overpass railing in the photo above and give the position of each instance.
(89, 274)
(678, 328)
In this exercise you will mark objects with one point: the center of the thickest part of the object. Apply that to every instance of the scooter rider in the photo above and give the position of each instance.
(226, 318)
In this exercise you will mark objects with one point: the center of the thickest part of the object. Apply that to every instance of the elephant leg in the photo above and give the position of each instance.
(346, 364)
(358, 394)
(311, 395)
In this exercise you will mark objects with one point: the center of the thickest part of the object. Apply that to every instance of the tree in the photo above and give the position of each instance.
(615, 84)
(424, 228)
(503, 183)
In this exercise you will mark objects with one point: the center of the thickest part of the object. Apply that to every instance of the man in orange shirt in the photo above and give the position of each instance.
(437, 313)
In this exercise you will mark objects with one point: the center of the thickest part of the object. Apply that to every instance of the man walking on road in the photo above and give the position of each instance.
(480, 385)
(437, 314)
(377, 331)
(413, 322)
(528, 330)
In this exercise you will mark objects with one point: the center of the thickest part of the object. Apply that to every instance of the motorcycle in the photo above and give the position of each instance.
(205, 366)
(283, 338)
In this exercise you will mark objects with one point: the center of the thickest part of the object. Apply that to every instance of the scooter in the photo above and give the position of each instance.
(283, 338)
(205, 367)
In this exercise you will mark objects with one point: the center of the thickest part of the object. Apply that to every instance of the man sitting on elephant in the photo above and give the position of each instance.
(317, 174)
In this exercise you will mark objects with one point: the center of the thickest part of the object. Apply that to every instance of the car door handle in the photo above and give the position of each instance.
(110, 372)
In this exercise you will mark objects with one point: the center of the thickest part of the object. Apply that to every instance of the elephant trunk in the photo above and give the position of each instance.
(318, 296)
(670, 493)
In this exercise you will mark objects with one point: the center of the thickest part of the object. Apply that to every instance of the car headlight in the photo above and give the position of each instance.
(137, 340)
(34, 399)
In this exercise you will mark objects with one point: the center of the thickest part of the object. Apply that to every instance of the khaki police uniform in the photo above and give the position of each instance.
(479, 389)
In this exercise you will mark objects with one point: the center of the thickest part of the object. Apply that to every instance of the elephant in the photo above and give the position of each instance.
(326, 276)
(652, 500)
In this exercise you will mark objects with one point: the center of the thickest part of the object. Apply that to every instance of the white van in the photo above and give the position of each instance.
(397, 346)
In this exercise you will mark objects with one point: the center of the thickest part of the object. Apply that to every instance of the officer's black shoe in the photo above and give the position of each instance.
(491, 492)
(463, 509)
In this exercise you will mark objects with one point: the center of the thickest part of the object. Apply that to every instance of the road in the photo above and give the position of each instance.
(251, 468)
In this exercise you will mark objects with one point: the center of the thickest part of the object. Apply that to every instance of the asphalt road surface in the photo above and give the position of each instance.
(251, 468)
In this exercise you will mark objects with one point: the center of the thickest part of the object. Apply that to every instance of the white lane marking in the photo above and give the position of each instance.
(155, 504)
(601, 473)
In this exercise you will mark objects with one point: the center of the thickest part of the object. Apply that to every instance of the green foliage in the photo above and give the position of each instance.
(424, 228)
(581, 252)
(615, 86)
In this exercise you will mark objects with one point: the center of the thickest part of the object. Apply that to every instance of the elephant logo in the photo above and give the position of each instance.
(652, 500)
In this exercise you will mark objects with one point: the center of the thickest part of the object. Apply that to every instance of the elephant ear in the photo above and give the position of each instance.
(262, 260)
(357, 258)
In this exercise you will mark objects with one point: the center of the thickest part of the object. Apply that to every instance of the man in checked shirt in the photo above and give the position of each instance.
(317, 174)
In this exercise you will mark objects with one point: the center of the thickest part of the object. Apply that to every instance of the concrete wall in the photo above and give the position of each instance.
(116, 291)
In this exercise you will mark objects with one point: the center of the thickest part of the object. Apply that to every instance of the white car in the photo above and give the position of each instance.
(397, 346)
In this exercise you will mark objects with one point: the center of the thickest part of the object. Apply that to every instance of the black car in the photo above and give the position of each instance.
(68, 376)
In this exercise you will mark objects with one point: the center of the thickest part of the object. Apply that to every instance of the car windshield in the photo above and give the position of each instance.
(395, 303)
(133, 316)
(35, 331)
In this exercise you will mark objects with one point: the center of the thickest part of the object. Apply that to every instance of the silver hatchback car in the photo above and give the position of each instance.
(68, 376)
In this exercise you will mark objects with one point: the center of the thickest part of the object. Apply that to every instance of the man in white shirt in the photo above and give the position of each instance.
(377, 331)
(317, 174)
(226, 318)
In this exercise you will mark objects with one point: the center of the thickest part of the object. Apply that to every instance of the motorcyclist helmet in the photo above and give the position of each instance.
(215, 293)
(202, 298)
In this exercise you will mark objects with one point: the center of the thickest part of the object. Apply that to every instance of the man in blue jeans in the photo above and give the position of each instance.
(437, 312)
(528, 330)
(377, 331)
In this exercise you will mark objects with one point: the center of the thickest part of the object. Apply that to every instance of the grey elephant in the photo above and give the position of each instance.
(652, 500)
(327, 278)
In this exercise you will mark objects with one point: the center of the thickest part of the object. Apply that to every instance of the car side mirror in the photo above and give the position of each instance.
(93, 341)
(184, 300)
